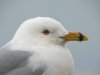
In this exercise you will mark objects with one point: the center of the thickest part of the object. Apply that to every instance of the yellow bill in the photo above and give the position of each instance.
(75, 36)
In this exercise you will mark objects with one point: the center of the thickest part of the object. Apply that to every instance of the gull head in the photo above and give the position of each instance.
(45, 30)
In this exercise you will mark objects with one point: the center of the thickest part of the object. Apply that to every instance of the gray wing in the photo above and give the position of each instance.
(27, 71)
(14, 63)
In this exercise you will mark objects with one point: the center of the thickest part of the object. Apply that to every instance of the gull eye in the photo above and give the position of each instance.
(46, 32)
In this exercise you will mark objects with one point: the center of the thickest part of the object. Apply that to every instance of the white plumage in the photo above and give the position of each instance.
(37, 49)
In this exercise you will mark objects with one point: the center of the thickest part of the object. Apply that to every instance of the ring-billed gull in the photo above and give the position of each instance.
(37, 48)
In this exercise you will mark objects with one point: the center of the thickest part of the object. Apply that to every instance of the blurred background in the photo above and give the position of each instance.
(76, 15)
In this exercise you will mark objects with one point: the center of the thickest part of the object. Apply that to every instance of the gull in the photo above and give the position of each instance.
(38, 48)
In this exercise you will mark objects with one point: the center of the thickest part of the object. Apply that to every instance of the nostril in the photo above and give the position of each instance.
(73, 34)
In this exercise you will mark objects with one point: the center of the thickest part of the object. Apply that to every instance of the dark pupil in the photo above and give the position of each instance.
(46, 32)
